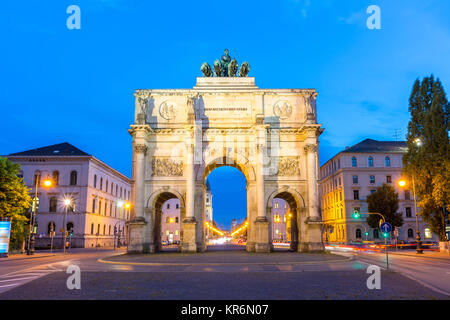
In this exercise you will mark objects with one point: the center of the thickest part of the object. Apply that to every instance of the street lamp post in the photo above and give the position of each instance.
(31, 236)
(402, 183)
(67, 203)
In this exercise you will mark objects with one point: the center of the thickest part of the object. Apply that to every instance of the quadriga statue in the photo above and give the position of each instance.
(244, 70)
(206, 69)
(232, 68)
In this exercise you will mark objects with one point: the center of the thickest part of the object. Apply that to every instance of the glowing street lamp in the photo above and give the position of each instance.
(67, 203)
(31, 237)
(403, 183)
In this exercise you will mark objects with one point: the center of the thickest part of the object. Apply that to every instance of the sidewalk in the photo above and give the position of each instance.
(426, 254)
(24, 256)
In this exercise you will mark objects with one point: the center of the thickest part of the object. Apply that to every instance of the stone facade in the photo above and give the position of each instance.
(271, 136)
(96, 190)
(349, 177)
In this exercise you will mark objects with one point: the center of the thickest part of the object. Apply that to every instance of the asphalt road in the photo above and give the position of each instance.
(252, 277)
(431, 272)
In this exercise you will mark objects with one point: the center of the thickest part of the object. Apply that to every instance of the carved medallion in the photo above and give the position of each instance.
(167, 110)
(282, 109)
(288, 166)
(165, 167)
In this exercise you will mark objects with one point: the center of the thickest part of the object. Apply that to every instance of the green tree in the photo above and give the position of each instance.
(428, 158)
(14, 200)
(384, 201)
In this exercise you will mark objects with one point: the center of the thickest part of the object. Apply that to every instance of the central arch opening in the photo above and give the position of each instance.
(167, 225)
(225, 211)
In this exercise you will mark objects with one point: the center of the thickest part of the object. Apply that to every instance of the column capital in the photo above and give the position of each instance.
(310, 148)
(140, 148)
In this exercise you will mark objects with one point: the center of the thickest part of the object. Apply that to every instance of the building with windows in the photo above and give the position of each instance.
(281, 220)
(353, 174)
(97, 195)
(170, 222)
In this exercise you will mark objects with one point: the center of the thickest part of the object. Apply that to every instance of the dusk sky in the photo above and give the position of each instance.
(60, 85)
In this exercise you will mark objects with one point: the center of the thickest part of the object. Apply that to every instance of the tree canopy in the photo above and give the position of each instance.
(14, 198)
(428, 158)
(385, 201)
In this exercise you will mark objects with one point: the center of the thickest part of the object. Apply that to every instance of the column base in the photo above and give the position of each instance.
(314, 240)
(250, 247)
(137, 243)
(262, 244)
(188, 244)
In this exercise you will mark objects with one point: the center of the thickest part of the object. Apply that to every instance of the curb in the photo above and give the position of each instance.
(25, 258)
(346, 259)
(421, 256)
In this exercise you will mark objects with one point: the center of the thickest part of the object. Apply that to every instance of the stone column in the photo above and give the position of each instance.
(314, 241)
(188, 243)
(262, 241)
(137, 226)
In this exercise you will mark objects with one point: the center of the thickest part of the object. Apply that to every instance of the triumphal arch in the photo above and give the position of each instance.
(181, 135)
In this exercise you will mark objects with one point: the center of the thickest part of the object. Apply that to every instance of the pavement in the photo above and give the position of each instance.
(226, 274)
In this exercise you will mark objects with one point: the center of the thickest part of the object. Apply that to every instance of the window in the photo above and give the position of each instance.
(167, 220)
(92, 228)
(110, 209)
(358, 234)
(355, 179)
(387, 162)
(120, 192)
(410, 233)
(376, 234)
(109, 230)
(93, 205)
(407, 195)
(106, 185)
(178, 206)
(53, 204)
(20, 174)
(95, 181)
(73, 178)
(354, 162)
(276, 205)
(101, 183)
(98, 229)
(373, 191)
(370, 161)
(176, 232)
(106, 207)
(408, 212)
(117, 189)
(70, 227)
(428, 234)
(356, 194)
(372, 179)
(168, 206)
(104, 229)
(55, 177)
(176, 219)
(340, 181)
(388, 179)
(100, 207)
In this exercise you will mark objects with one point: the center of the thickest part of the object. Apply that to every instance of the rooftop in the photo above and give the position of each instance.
(374, 146)
(61, 149)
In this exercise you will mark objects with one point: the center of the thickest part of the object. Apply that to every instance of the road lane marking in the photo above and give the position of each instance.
(15, 279)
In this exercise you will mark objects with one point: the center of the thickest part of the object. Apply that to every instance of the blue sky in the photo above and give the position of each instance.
(76, 86)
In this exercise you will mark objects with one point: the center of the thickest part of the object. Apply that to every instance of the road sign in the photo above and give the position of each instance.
(386, 227)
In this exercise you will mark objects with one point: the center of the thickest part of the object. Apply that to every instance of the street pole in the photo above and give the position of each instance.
(419, 240)
(30, 249)
(65, 229)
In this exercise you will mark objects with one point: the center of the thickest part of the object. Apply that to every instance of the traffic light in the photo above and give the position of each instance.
(356, 214)
(367, 234)
(385, 235)
(71, 232)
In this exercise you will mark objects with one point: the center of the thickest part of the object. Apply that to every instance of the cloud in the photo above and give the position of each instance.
(354, 18)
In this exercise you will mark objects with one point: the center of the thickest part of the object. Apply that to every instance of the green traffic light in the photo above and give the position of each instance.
(356, 215)
(385, 234)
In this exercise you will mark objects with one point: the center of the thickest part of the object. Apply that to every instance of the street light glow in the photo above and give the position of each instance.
(47, 182)
(402, 183)
(67, 202)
